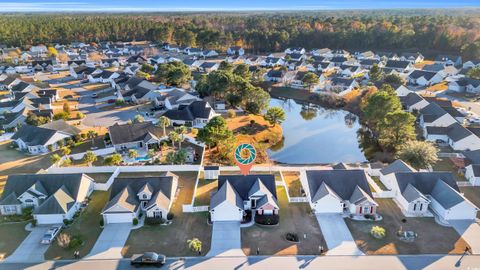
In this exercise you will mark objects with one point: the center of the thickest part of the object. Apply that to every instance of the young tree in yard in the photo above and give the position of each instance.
(195, 245)
(52, 52)
(132, 153)
(181, 157)
(474, 73)
(378, 105)
(92, 135)
(393, 79)
(419, 154)
(396, 129)
(55, 158)
(170, 158)
(65, 151)
(310, 79)
(275, 115)
(33, 119)
(215, 132)
(164, 122)
(61, 115)
(66, 107)
(174, 137)
(90, 158)
(138, 119)
(181, 131)
(113, 160)
(375, 73)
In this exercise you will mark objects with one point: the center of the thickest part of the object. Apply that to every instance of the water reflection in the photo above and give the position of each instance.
(313, 134)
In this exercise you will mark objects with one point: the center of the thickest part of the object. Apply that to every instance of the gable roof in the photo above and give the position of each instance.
(196, 109)
(59, 202)
(411, 194)
(243, 184)
(134, 132)
(61, 125)
(397, 166)
(424, 181)
(445, 195)
(227, 193)
(33, 135)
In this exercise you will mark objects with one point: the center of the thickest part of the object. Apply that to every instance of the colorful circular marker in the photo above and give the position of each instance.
(245, 163)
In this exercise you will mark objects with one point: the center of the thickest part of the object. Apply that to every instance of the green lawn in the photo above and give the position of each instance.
(11, 237)
(100, 177)
(379, 183)
(205, 189)
(87, 225)
(473, 194)
(446, 165)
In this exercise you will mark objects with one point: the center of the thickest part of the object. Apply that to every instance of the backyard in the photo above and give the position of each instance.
(448, 165)
(87, 226)
(171, 240)
(473, 194)
(292, 179)
(427, 229)
(205, 188)
(295, 218)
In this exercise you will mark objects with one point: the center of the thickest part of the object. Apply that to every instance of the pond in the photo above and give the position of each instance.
(313, 134)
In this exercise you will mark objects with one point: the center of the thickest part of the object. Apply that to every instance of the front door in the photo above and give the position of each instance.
(157, 214)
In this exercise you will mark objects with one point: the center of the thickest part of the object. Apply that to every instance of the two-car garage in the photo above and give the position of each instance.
(118, 218)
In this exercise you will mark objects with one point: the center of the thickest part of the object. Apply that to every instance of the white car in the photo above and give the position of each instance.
(50, 235)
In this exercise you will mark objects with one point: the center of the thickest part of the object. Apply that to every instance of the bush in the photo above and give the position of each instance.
(378, 232)
(267, 219)
(66, 222)
(231, 114)
(34, 223)
(80, 115)
(102, 222)
(135, 221)
(153, 221)
(75, 242)
(170, 216)
(292, 237)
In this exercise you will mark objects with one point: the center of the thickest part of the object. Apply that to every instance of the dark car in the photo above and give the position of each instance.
(148, 258)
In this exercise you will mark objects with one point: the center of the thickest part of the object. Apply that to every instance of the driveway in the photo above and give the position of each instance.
(226, 239)
(470, 232)
(30, 250)
(339, 239)
(110, 242)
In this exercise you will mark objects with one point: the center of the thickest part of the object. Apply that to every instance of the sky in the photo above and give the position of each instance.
(222, 5)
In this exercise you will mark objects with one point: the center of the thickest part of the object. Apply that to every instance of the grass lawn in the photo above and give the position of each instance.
(294, 217)
(87, 225)
(100, 177)
(87, 145)
(11, 237)
(205, 189)
(292, 179)
(379, 183)
(447, 165)
(171, 240)
(429, 234)
(473, 194)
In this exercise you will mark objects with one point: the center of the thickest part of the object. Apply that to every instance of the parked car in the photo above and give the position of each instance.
(50, 235)
(148, 258)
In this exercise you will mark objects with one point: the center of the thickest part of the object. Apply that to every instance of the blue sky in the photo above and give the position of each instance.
(196, 5)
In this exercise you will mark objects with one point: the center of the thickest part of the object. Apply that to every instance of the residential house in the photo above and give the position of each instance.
(424, 78)
(418, 192)
(456, 135)
(449, 60)
(272, 62)
(35, 140)
(196, 114)
(139, 136)
(434, 115)
(295, 50)
(235, 50)
(297, 81)
(105, 76)
(472, 173)
(399, 66)
(339, 191)
(208, 67)
(275, 75)
(413, 102)
(351, 71)
(53, 197)
(209, 53)
(237, 194)
(412, 57)
(341, 86)
(151, 196)
(173, 98)
(465, 84)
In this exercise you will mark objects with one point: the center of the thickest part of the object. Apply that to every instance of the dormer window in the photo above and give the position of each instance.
(145, 196)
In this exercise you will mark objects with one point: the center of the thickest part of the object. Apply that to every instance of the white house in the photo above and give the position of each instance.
(339, 191)
(434, 115)
(196, 114)
(237, 194)
(472, 173)
(424, 78)
(152, 196)
(341, 86)
(53, 197)
(235, 50)
(456, 135)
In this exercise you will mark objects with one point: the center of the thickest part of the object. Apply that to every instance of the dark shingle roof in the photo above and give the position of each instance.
(243, 184)
(133, 132)
(196, 109)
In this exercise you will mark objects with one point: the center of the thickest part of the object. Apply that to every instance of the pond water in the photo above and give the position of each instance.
(313, 134)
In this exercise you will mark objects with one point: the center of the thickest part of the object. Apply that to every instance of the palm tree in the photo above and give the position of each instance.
(195, 245)
(174, 137)
(91, 135)
(132, 153)
(163, 122)
(182, 130)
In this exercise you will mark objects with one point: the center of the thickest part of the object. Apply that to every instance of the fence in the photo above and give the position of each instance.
(111, 169)
(298, 199)
(98, 152)
(105, 186)
(188, 208)
(464, 184)
(6, 137)
(383, 194)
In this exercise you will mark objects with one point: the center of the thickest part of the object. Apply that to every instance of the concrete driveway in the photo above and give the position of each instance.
(30, 250)
(337, 235)
(226, 239)
(110, 242)
(470, 232)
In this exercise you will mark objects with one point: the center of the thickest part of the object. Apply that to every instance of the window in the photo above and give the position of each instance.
(415, 207)
(366, 209)
(145, 196)
(10, 209)
(421, 206)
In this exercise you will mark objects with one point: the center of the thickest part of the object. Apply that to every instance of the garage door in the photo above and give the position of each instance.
(49, 219)
(118, 218)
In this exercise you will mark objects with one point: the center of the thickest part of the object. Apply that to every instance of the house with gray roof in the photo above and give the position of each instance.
(196, 114)
(152, 196)
(434, 115)
(413, 102)
(53, 197)
(140, 136)
(339, 191)
(431, 193)
(237, 194)
(386, 173)
(424, 78)
(457, 136)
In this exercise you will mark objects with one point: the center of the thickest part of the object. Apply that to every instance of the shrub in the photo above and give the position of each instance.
(102, 222)
(378, 232)
(267, 219)
(119, 102)
(292, 237)
(34, 223)
(66, 221)
(75, 242)
(154, 221)
(80, 115)
(63, 240)
(135, 222)
(231, 114)
(170, 216)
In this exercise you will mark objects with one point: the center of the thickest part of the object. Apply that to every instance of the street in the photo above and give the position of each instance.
(282, 263)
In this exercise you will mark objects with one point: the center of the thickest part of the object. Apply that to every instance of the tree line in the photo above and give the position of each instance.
(265, 32)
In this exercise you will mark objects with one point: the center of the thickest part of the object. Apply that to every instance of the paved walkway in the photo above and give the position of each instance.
(226, 239)
(338, 237)
(470, 232)
(30, 250)
(110, 242)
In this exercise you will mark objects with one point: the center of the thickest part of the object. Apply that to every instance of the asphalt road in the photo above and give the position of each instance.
(469, 262)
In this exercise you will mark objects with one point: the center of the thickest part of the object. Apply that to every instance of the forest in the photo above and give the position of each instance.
(431, 32)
